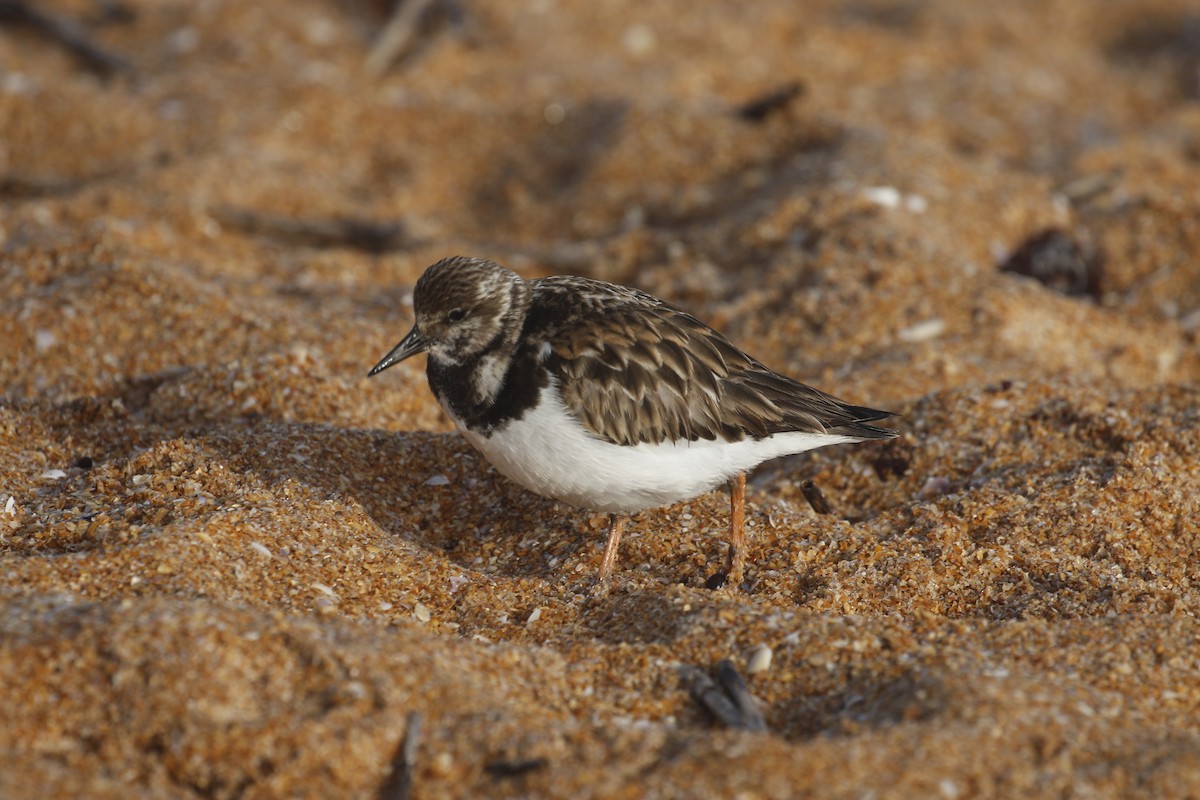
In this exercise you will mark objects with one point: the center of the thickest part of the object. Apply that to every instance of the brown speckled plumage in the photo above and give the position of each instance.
(635, 369)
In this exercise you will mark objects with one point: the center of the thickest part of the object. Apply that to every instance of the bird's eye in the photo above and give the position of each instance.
(456, 315)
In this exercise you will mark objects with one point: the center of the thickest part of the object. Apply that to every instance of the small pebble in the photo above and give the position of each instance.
(639, 40)
(886, 196)
(923, 331)
(758, 660)
(422, 613)
(443, 764)
(933, 486)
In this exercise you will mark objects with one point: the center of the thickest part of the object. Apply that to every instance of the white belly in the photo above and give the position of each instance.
(549, 452)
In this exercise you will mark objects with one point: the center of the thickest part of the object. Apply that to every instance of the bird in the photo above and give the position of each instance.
(607, 398)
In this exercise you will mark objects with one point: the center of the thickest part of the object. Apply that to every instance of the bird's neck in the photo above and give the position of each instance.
(489, 391)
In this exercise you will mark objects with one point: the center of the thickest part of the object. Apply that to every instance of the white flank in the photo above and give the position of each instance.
(549, 452)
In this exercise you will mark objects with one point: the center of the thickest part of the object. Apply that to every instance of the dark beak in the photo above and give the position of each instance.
(410, 345)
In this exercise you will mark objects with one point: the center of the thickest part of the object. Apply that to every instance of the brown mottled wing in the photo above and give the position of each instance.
(635, 369)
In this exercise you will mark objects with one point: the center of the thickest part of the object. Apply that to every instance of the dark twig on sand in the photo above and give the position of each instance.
(513, 769)
(374, 237)
(398, 35)
(65, 32)
(114, 11)
(812, 493)
(765, 105)
(726, 698)
(399, 783)
(28, 186)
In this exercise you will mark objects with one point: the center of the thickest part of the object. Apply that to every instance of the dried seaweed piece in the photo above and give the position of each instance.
(763, 106)
(812, 493)
(399, 783)
(65, 32)
(726, 698)
(373, 237)
(1162, 40)
(1055, 259)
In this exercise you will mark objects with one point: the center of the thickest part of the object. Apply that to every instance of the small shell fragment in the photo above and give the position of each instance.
(886, 196)
(758, 659)
(923, 331)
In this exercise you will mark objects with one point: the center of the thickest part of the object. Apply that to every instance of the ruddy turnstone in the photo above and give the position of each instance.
(607, 398)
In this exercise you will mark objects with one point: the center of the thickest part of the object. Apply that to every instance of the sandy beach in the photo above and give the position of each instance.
(232, 566)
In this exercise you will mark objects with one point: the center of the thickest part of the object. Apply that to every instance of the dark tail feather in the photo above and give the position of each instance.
(867, 432)
(863, 414)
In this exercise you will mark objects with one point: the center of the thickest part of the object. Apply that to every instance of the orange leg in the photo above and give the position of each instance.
(737, 531)
(616, 527)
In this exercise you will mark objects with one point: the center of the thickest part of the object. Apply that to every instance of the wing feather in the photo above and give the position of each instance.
(635, 369)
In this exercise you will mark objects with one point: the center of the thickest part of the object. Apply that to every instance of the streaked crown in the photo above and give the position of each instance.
(464, 306)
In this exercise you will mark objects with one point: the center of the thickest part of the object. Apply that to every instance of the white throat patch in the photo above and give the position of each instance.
(489, 376)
